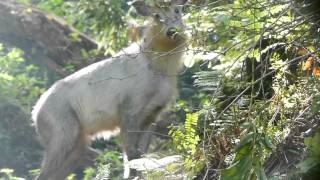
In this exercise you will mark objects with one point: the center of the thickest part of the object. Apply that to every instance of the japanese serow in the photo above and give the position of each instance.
(126, 92)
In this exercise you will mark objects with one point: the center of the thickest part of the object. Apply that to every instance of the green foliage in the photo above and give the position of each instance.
(186, 140)
(20, 86)
(315, 106)
(249, 154)
(254, 74)
(7, 174)
(186, 137)
(19, 83)
(106, 22)
(109, 165)
(57, 6)
(32, 174)
(71, 177)
(88, 173)
(102, 20)
(112, 158)
(313, 160)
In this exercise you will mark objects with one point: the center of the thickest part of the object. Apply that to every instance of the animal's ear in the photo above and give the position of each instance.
(179, 2)
(141, 7)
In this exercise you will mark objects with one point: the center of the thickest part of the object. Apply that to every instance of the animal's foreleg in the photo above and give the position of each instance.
(132, 133)
(146, 139)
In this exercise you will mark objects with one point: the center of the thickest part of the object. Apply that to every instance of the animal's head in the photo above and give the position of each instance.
(167, 26)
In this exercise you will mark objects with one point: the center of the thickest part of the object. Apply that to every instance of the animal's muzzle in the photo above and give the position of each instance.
(172, 32)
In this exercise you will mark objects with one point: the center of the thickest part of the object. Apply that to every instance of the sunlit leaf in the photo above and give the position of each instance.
(316, 71)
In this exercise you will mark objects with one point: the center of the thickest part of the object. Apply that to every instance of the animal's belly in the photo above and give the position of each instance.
(100, 121)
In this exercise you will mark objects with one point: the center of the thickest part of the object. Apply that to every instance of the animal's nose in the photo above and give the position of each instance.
(172, 31)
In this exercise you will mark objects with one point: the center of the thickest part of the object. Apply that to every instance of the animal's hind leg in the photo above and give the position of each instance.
(63, 151)
(90, 156)
(74, 159)
(88, 160)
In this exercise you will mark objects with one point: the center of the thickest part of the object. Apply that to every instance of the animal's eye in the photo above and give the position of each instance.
(176, 10)
(157, 16)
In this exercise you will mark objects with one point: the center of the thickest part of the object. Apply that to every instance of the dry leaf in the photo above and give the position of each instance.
(316, 71)
(308, 64)
(302, 51)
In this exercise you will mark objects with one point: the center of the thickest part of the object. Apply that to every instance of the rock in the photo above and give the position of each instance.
(153, 167)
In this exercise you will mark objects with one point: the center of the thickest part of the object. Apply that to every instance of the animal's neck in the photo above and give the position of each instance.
(165, 54)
